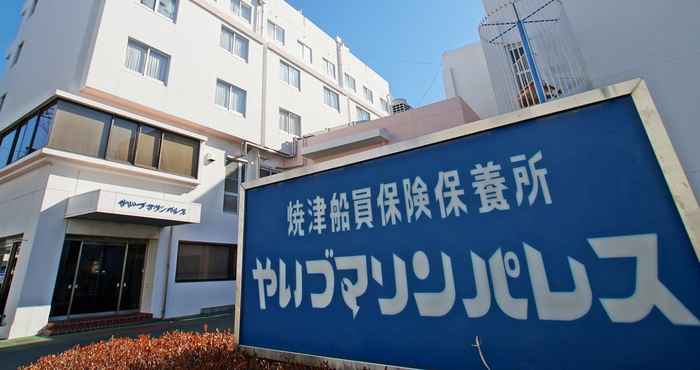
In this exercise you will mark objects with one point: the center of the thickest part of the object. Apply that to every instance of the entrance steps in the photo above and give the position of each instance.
(93, 323)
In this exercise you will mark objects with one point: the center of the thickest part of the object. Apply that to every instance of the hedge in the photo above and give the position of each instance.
(174, 350)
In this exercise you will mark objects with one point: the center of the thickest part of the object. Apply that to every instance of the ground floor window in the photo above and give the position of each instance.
(9, 252)
(197, 262)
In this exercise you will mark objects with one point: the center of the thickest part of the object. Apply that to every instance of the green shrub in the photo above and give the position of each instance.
(175, 350)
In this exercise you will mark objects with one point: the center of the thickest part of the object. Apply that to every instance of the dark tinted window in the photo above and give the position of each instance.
(178, 155)
(80, 130)
(205, 262)
(6, 146)
(24, 140)
(148, 147)
(43, 127)
(122, 140)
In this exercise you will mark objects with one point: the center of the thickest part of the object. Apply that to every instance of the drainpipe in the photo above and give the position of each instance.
(263, 91)
(167, 274)
(339, 44)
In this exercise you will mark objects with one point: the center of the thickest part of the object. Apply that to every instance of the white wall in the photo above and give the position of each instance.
(654, 40)
(76, 44)
(196, 62)
(465, 74)
(56, 39)
(216, 226)
(308, 103)
(21, 201)
(623, 40)
(34, 204)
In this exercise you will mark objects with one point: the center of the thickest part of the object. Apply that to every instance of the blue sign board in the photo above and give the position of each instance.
(552, 243)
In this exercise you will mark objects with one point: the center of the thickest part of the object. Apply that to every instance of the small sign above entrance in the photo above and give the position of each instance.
(112, 206)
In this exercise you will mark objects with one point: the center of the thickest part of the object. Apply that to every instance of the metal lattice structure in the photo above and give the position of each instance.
(531, 54)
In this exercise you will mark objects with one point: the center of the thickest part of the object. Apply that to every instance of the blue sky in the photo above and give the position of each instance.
(403, 40)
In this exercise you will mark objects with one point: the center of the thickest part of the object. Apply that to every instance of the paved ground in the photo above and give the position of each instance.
(14, 353)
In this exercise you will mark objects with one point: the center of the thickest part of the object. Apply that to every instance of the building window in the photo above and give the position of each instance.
(147, 61)
(6, 143)
(200, 262)
(156, 149)
(230, 97)
(234, 43)
(33, 9)
(350, 82)
(290, 75)
(122, 140)
(18, 53)
(385, 105)
(369, 95)
(290, 122)
(306, 53)
(265, 172)
(23, 144)
(275, 32)
(167, 8)
(2, 101)
(330, 68)
(149, 142)
(29, 135)
(43, 128)
(235, 176)
(178, 154)
(362, 115)
(331, 98)
(80, 130)
(242, 10)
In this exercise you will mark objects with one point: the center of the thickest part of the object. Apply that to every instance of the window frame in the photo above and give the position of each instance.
(288, 115)
(349, 78)
(32, 10)
(360, 110)
(327, 89)
(273, 35)
(156, 7)
(302, 48)
(235, 36)
(147, 58)
(328, 64)
(241, 177)
(18, 54)
(233, 249)
(54, 104)
(132, 148)
(230, 107)
(288, 79)
(384, 104)
(15, 127)
(240, 10)
(270, 171)
(158, 143)
(368, 93)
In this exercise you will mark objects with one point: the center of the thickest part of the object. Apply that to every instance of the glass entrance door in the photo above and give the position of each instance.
(133, 277)
(96, 288)
(98, 277)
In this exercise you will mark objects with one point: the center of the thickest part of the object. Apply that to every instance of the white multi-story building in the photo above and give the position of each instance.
(125, 129)
(618, 41)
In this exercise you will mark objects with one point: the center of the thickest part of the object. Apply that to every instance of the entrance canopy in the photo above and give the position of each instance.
(105, 205)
